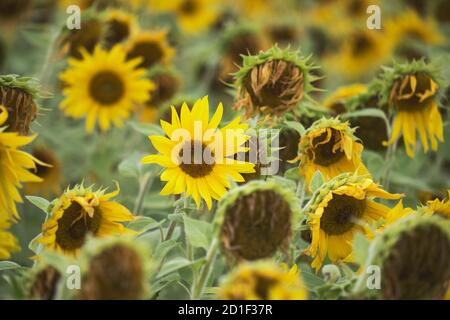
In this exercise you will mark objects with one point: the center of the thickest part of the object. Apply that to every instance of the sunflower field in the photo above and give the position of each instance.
(224, 150)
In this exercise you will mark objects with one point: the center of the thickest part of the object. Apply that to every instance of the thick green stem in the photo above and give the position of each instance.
(144, 185)
(199, 287)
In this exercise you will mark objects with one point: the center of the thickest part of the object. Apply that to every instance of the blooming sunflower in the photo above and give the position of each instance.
(15, 166)
(263, 280)
(103, 87)
(8, 243)
(87, 37)
(438, 207)
(336, 102)
(330, 147)
(197, 156)
(120, 26)
(152, 47)
(338, 210)
(51, 174)
(81, 211)
(410, 91)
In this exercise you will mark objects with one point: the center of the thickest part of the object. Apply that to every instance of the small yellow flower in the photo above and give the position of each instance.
(8, 243)
(336, 100)
(438, 207)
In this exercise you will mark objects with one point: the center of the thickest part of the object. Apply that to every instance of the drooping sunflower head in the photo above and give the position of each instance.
(152, 47)
(255, 221)
(411, 93)
(17, 94)
(263, 280)
(331, 147)
(340, 208)
(439, 207)
(51, 173)
(273, 82)
(44, 282)
(11, 10)
(87, 37)
(103, 87)
(414, 257)
(197, 156)
(120, 26)
(166, 84)
(8, 243)
(80, 212)
(115, 269)
(336, 101)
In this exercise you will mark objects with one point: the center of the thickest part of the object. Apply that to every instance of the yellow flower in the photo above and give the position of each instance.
(103, 87)
(197, 156)
(51, 174)
(120, 26)
(398, 212)
(8, 243)
(79, 212)
(336, 101)
(438, 207)
(152, 47)
(15, 166)
(413, 96)
(330, 147)
(263, 280)
(339, 209)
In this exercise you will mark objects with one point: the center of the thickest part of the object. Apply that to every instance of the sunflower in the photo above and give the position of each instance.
(15, 166)
(263, 280)
(330, 147)
(87, 37)
(152, 47)
(200, 175)
(339, 209)
(438, 207)
(120, 26)
(8, 243)
(51, 174)
(103, 87)
(44, 282)
(336, 102)
(410, 91)
(79, 212)
(12, 10)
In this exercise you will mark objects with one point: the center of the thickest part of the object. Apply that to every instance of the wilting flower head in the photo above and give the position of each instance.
(17, 95)
(339, 209)
(15, 166)
(115, 269)
(272, 82)
(8, 243)
(44, 282)
(103, 87)
(80, 212)
(413, 255)
(330, 147)
(410, 91)
(262, 280)
(255, 221)
(197, 156)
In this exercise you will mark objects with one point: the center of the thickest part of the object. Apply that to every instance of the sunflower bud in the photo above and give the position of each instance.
(44, 283)
(256, 220)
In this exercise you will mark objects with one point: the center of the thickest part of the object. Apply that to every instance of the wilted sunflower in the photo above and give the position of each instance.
(410, 91)
(51, 174)
(338, 210)
(330, 147)
(103, 87)
(263, 280)
(255, 221)
(438, 207)
(120, 26)
(114, 269)
(44, 282)
(272, 82)
(15, 166)
(336, 101)
(197, 156)
(152, 47)
(80, 212)
(17, 94)
(8, 243)
(414, 257)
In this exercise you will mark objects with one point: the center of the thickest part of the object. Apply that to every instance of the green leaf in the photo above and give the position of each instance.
(131, 166)
(143, 224)
(8, 265)
(316, 181)
(173, 265)
(199, 233)
(148, 129)
(369, 112)
(407, 181)
(163, 249)
(160, 284)
(297, 126)
(39, 202)
(360, 248)
(292, 173)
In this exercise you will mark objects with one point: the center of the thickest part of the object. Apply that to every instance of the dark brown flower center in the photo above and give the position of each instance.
(263, 284)
(46, 157)
(87, 37)
(406, 98)
(324, 153)
(44, 285)
(361, 44)
(13, 8)
(188, 7)
(106, 88)
(247, 43)
(341, 213)
(150, 52)
(117, 31)
(256, 225)
(116, 273)
(196, 159)
(418, 265)
(289, 140)
(74, 225)
(166, 87)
